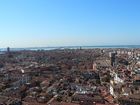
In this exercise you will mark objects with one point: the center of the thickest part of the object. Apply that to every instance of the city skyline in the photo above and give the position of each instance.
(43, 23)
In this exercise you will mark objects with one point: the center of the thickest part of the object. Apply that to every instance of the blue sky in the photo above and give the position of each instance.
(40, 23)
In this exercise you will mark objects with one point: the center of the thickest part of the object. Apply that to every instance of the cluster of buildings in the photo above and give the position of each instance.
(70, 77)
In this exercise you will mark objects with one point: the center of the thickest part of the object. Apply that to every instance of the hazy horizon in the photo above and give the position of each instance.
(44, 23)
(73, 47)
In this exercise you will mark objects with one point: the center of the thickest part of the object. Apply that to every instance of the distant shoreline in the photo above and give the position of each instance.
(71, 47)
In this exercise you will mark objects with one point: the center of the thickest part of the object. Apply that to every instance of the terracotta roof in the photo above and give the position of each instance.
(62, 103)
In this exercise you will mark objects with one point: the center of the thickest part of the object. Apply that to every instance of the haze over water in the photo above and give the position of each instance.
(70, 47)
